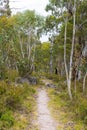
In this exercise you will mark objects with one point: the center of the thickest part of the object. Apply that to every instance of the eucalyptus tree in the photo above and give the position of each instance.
(5, 8)
(63, 10)
(29, 28)
(6, 33)
(81, 32)
(19, 35)
(67, 15)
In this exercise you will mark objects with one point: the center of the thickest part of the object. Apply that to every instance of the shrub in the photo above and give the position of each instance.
(14, 95)
(82, 109)
(13, 98)
(3, 87)
(28, 90)
(7, 118)
(11, 74)
(37, 75)
(55, 77)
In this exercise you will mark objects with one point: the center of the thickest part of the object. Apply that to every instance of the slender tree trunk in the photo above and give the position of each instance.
(66, 69)
(65, 37)
(28, 48)
(33, 58)
(51, 64)
(72, 52)
(16, 68)
(84, 79)
(69, 75)
(21, 47)
(51, 59)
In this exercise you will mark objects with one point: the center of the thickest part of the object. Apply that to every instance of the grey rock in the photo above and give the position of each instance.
(30, 80)
(21, 80)
(50, 85)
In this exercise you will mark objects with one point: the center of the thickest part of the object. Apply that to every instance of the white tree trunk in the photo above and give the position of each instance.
(51, 64)
(33, 58)
(21, 47)
(28, 48)
(72, 52)
(51, 60)
(84, 79)
(69, 74)
(65, 37)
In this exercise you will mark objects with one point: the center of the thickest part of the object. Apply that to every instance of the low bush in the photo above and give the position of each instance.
(11, 74)
(81, 109)
(55, 78)
(7, 118)
(75, 110)
(3, 87)
(12, 97)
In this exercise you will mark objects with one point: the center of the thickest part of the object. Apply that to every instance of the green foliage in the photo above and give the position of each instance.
(37, 75)
(52, 77)
(7, 119)
(28, 90)
(42, 57)
(15, 31)
(75, 110)
(20, 49)
(12, 99)
(3, 87)
(81, 109)
(24, 66)
(55, 78)
(11, 74)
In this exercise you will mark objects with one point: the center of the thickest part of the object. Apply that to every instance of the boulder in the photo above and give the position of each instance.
(50, 85)
(30, 80)
(21, 80)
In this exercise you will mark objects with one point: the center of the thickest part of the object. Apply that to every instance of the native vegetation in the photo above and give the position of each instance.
(63, 58)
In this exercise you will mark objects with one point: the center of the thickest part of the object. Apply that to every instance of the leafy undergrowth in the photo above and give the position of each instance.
(71, 115)
(17, 103)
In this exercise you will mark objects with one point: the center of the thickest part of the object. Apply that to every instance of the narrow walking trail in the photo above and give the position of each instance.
(45, 120)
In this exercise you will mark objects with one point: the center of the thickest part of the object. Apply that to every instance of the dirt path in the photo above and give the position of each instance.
(45, 120)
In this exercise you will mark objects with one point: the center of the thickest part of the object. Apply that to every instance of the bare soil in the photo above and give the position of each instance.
(45, 121)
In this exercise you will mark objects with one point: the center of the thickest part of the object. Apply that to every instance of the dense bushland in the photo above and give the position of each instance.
(15, 100)
(70, 111)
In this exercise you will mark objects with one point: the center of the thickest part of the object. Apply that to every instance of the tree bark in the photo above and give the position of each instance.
(51, 58)
(84, 79)
(21, 47)
(72, 51)
(69, 75)
(65, 37)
